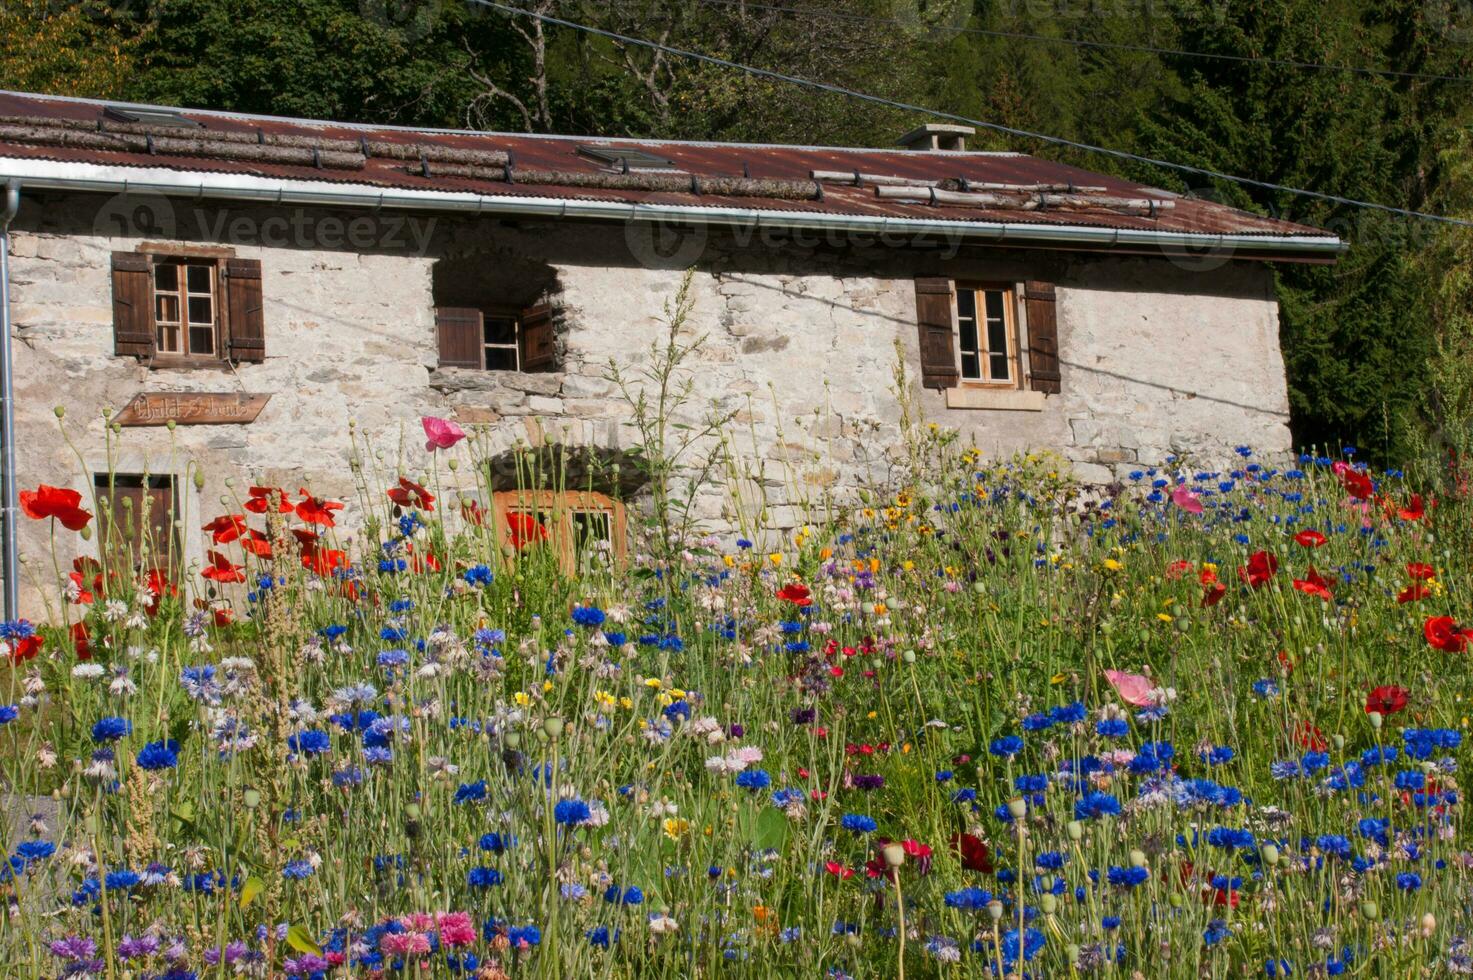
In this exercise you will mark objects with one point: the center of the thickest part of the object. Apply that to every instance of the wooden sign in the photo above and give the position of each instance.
(192, 408)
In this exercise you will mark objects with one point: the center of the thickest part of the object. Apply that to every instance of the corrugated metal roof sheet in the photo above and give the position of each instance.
(543, 153)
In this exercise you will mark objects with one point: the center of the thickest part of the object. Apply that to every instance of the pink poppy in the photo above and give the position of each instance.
(1134, 689)
(1186, 500)
(440, 433)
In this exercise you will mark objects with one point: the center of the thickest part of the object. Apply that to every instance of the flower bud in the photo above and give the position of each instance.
(1138, 859)
(1338, 741)
(1376, 720)
(1270, 854)
(59, 411)
(1048, 903)
(1370, 909)
(1075, 829)
(454, 464)
(909, 656)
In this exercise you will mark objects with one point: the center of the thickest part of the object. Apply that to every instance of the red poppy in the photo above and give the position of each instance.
(224, 616)
(1443, 633)
(1356, 483)
(259, 501)
(25, 648)
(84, 596)
(226, 528)
(426, 562)
(255, 542)
(315, 510)
(1415, 592)
(1420, 572)
(524, 529)
(323, 561)
(1387, 699)
(1310, 738)
(157, 585)
(1309, 539)
(56, 502)
(411, 494)
(222, 569)
(973, 852)
(838, 870)
(796, 593)
(81, 640)
(1413, 511)
(1178, 569)
(1212, 594)
(1313, 584)
(1260, 568)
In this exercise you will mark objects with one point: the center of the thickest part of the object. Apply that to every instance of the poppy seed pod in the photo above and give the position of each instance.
(1270, 854)
(1138, 859)
(453, 463)
(251, 798)
(894, 855)
(1075, 829)
(170, 424)
(1370, 909)
(995, 910)
(1377, 720)
(553, 727)
(511, 740)
(59, 411)
(1048, 903)
(1018, 808)
(909, 656)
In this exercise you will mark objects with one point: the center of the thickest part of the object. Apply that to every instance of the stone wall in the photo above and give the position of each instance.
(800, 345)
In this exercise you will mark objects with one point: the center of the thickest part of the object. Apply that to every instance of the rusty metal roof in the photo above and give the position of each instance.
(1183, 216)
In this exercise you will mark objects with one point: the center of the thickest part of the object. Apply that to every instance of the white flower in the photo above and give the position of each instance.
(114, 610)
(662, 925)
(87, 672)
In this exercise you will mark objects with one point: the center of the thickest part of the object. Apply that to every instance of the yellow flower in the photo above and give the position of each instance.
(547, 686)
(522, 698)
(776, 558)
(652, 682)
(1111, 565)
(1056, 679)
(627, 703)
(730, 561)
(908, 565)
(675, 827)
(1164, 617)
(873, 715)
(880, 609)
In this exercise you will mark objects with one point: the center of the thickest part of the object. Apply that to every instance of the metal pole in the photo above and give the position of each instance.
(9, 506)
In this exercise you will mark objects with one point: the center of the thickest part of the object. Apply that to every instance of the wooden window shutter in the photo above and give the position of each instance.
(243, 297)
(933, 318)
(461, 334)
(539, 351)
(132, 305)
(1043, 337)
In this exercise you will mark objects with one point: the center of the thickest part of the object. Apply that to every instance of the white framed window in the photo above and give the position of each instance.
(986, 323)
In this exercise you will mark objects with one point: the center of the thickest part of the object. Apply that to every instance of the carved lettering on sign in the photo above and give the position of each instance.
(192, 408)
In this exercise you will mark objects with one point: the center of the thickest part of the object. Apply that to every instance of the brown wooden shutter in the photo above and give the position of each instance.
(462, 336)
(933, 318)
(247, 323)
(132, 305)
(538, 349)
(1043, 337)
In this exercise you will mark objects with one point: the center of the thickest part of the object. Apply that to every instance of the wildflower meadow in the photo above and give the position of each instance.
(982, 722)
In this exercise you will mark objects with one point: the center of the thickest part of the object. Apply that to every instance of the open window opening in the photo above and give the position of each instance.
(493, 314)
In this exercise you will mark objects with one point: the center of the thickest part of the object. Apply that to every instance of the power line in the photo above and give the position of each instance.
(996, 127)
(1104, 45)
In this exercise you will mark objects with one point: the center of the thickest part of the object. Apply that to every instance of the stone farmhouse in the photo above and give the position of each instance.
(265, 284)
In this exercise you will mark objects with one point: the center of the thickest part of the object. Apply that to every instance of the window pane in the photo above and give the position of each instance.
(201, 310)
(167, 308)
(168, 339)
(166, 277)
(997, 337)
(999, 364)
(994, 304)
(500, 330)
(199, 278)
(202, 340)
(501, 358)
(970, 366)
(966, 304)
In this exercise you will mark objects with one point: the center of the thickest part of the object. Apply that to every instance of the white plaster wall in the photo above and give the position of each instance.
(800, 343)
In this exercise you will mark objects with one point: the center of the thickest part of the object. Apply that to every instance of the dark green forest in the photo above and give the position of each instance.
(1360, 99)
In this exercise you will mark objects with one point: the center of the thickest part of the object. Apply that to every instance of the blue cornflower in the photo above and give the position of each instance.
(297, 870)
(1095, 805)
(310, 742)
(1408, 881)
(1127, 877)
(589, 616)
(8, 713)
(496, 843)
(571, 812)
(483, 878)
(754, 779)
(970, 899)
(471, 792)
(111, 729)
(858, 823)
(1006, 747)
(478, 575)
(1112, 728)
(630, 896)
(159, 755)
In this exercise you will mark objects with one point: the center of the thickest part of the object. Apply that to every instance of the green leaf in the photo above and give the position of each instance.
(772, 829)
(299, 939)
(253, 886)
(184, 812)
